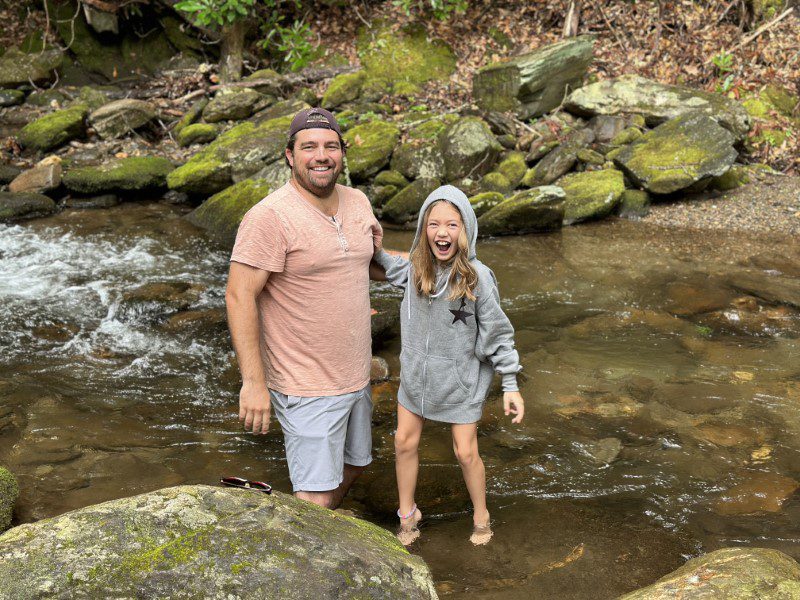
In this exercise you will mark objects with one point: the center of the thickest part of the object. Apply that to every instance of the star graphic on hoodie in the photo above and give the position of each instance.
(461, 314)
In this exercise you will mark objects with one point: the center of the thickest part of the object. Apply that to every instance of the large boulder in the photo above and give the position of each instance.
(54, 129)
(404, 206)
(132, 174)
(232, 105)
(221, 214)
(534, 210)
(591, 194)
(656, 102)
(197, 133)
(270, 82)
(534, 83)
(369, 147)
(208, 542)
(237, 154)
(468, 148)
(682, 152)
(117, 118)
(14, 207)
(19, 68)
(343, 88)
(419, 155)
(729, 573)
(44, 177)
(9, 491)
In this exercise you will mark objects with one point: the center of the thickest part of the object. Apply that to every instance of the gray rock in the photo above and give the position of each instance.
(232, 105)
(606, 127)
(41, 178)
(680, 153)
(206, 542)
(117, 118)
(417, 159)
(46, 98)
(275, 174)
(602, 452)
(284, 108)
(469, 148)
(9, 491)
(385, 323)
(656, 102)
(537, 209)
(19, 68)
(272, 82)
(14, 207)
(8, 173)
(103, 201)
(11, 97)
(556, 163)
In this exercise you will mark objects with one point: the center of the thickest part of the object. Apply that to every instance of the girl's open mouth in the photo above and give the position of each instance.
(442, 246)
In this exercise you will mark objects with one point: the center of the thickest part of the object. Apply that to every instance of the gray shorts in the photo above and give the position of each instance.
(322, 433)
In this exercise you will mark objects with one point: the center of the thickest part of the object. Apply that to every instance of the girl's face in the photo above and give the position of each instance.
(443, 229)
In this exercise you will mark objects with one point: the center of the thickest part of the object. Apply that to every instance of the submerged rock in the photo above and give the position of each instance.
(591, 195)
(730, 573)
(201, 541)
(469, 148)
(369, 147)
(14, 207)
(117, 118)
(9, 491)
(132, 174)
(633, 204)
(54, 129)
(537, 209)
(758, 492)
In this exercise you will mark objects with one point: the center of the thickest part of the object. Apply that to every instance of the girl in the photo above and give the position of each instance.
(454, 336)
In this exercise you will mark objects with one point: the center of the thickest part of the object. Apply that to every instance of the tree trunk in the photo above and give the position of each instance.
(231, 49)
(573, 19)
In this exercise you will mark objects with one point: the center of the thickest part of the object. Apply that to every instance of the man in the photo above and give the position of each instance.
(299, 313)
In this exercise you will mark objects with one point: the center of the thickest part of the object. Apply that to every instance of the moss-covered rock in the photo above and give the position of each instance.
(8, 173)
(232, 105)
(418, 158)
(284, 108)
(272, 82)
(590, 157)
(591, 195)
(343, 88)
(118, 118)
(9, 491)
(132, 174)
(15, 207)
(202, 541)
(468, 148)
(369, 147)
(197, 133)
(736, 176)
(398, 62)
(678, 154)
(556, 163)
(54, 129)
(222, 213)
(405, 205)
(191, 116)
(92, 97)
(781, 99)
(382, 193)
(513, 166)
(729, 573)
(235, 155)
(46, 98)
(626, 136)
(391, 177)
(633, 204)
(485, 201)
(11, 97)
(496, 182)
(534, 210)
(19, 68)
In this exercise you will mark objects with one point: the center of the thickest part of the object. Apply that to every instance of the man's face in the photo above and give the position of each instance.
(317, 160)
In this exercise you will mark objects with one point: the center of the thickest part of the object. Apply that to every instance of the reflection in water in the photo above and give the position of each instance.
(660, 371)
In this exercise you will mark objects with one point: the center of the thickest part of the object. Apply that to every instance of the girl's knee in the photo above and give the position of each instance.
(405, 442)
(467, 456)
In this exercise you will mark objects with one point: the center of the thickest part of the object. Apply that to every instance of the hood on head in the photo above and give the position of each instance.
(459, 199)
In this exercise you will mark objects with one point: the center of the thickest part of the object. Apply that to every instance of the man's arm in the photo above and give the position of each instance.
(244, 285)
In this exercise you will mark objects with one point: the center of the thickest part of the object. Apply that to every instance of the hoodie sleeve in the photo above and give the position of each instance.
(495, 343)
(396, 268)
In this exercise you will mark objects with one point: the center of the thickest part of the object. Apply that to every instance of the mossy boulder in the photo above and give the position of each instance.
(208, 542)
(495, 182)
(134, 174)
(417, 159)
(555, 163)
(118, 118)
(235, 155)
(590, 157)
(591, 195)
(15, 207)
(469, 148)
(735, 177)
(92, 97)
(284, 108)
(46, 98)
(232, 105)
(190, 116)
(197, 133)
(19, 68)
(405, 205)
(8, 173)
(513, 167)
(9, 491)
(369, 148)
(485, 201)
(271, 81)
(54, 129)
(222, 213)
(535, 210)
(678, 154)
(11, 97)
(343, 88)
(729, 573)
(633, 204)
(380, 194)
(391, 177)
(656, 102)
(626, 136)
(398, 62)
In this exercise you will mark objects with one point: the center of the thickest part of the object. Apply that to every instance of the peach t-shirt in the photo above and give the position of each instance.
(314, 310)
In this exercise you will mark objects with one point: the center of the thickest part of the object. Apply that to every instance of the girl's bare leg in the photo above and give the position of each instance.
(465, 446)
(406, 445)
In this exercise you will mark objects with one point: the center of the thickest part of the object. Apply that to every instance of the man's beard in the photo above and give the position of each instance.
(306, 180)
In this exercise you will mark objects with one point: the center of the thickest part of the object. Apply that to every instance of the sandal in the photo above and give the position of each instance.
(481, 534)
(409, 530)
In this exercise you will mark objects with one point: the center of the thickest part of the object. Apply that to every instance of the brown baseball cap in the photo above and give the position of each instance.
(311, 118)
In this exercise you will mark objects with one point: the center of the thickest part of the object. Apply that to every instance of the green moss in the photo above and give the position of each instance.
(496, 182)
(391, 178)
(513, 167)
(123, 175)
(54, 129)
(538, 209)
(197, 133)
(736, 176)
(239, 567)
(756, 107)
(780, 99)
(590, 157)
(222, 213)
(369, 147)
(382, 193)
(430, 130)
(592, 194)
(485, 201)
(9, 490)
(405, 205)
(343, 88)
(626, 136)
(190, 116)
(633, 203)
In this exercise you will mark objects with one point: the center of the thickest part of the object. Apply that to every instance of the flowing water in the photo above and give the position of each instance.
(661, 375)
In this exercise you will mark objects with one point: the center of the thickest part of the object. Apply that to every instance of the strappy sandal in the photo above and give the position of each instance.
(481, 534)
(409, 530)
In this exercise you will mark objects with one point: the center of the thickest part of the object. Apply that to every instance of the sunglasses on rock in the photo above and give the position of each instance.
(246, 484)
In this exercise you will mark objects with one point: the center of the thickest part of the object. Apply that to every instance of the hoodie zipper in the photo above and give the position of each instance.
(425, 364)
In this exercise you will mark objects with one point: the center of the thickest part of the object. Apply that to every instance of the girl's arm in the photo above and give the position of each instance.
(396, 267)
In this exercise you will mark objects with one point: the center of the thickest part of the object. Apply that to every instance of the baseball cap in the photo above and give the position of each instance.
(311, 118)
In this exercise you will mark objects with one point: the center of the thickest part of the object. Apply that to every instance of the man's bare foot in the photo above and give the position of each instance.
(481, 531)
(409, 530)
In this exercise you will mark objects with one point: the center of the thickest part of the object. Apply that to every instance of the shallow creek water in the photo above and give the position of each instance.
(661, 375)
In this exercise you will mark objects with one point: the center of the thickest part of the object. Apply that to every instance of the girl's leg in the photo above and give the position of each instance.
(406, 445)
(465, 446)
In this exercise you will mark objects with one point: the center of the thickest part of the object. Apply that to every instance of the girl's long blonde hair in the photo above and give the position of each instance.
(463, 278)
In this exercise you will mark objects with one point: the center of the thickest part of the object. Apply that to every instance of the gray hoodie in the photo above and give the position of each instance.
(451, 348)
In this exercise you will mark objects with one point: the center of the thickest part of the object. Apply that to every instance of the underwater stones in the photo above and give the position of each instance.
(20, 68)
(468, 148)
(203, 541)
(171, 296)
(591, 195)
(681, 152)
(14, 207)
(602, 452)
(9, 491)
(221, 214)
(343, 88)
(369, 147)
(656, 102)
(42, 178)
(197, 133)
(485, 201)
(534, 83)
(132, 174)
(54, 129)
(758, 492)
(404, 206)
(232, 105)
(117, 118)
(537, 209)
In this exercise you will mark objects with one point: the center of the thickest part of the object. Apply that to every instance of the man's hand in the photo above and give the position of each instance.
(254, 407)
(514, 404)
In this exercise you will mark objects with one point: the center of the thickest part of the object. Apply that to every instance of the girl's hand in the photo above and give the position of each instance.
(514, 404)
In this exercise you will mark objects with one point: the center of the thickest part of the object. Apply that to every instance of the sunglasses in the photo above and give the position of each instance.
(238, 482)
